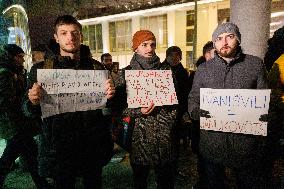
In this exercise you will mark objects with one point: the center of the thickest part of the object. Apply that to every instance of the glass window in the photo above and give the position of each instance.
(157, 25)
(223, 16)
(189, 27)
(120, 36)
(190, 18)
(14, 24)
(189, 36)
(92, 36)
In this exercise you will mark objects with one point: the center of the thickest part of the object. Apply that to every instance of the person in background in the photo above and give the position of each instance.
(180, 75)
(275, 48)
(230, 69)
(208, 54)
(82, 141)
(38, 53)
(153, 140)
(14, 126)
(106, 60)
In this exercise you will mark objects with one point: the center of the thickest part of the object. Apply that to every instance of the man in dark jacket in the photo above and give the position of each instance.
(173, 58)
(82, 141)
(14, 126)
(230, 69)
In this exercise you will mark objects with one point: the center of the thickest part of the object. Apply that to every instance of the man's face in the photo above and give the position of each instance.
(69, 38)
(19, 59)
(174, 58)
(226, 45)
(209, 54)
(146, 49)
(107, 62)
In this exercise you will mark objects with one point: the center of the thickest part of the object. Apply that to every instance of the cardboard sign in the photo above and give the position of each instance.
(67, 90)
(235, 110)
(150, 86)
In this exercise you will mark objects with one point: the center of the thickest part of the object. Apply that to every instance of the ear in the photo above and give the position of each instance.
(56, 38)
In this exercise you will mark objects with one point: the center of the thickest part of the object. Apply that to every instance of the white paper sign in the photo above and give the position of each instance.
(235, 110)
(147, 86)
(67, 90)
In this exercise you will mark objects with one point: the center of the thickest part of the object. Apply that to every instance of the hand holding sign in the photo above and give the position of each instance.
(110, 90)
(34, 94)
(147, 110)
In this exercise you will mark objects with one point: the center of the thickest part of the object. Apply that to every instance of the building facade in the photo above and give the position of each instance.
(172, 25)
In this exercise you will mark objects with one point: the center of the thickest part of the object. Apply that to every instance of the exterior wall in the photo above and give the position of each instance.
(176, 28)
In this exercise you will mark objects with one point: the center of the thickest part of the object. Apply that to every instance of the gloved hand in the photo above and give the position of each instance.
(196, 114)
(264, 118)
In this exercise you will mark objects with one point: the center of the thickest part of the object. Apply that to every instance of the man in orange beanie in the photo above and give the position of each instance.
(153, 143)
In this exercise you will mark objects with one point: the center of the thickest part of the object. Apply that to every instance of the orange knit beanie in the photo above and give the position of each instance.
(141, 36)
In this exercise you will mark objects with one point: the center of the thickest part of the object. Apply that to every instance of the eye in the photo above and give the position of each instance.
(153, 45)
(218, 38)
(63, 33)
(231, 36)
(144, 44)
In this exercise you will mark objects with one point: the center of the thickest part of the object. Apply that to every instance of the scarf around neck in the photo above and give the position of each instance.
(139, 62)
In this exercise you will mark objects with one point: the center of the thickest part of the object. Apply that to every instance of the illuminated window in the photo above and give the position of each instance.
(92, 36)
(189, 27)
(190, 18)
(120, 36)
(157, 25)
(223, 16)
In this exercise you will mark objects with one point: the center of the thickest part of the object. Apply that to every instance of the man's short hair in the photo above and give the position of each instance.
(208, 47)
(66, 20)
(173, 49)
(104, 55)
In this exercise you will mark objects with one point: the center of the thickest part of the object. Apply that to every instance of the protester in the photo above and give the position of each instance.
(153, 140)
(14, 126)
(230, 69)
(81, 140)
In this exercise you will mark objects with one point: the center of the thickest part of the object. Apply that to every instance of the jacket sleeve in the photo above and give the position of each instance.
(6, 83)
(194, 95)
(29, 109)
(262, 77)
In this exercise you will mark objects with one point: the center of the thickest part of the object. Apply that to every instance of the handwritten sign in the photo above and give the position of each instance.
(235, 110)
(66, 90)
(150, 86)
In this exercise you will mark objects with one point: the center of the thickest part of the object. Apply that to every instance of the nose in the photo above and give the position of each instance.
(224, 41)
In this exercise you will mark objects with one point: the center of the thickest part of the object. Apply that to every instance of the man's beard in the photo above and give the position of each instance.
(227, 54)
(73, 51)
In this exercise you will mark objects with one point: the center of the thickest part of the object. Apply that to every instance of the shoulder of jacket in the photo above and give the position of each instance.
(97, 65)
(165, 66)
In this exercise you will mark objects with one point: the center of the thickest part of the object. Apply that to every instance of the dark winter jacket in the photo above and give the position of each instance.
(182, 87)
(276, 109)
(12, 89)
(83, 135)
(243, 72)
(153, 137)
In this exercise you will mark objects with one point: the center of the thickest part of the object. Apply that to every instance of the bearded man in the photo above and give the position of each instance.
(230, 69)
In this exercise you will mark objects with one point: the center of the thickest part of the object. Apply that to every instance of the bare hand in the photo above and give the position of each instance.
(148, 110)
(35, 94)
(110, 90)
